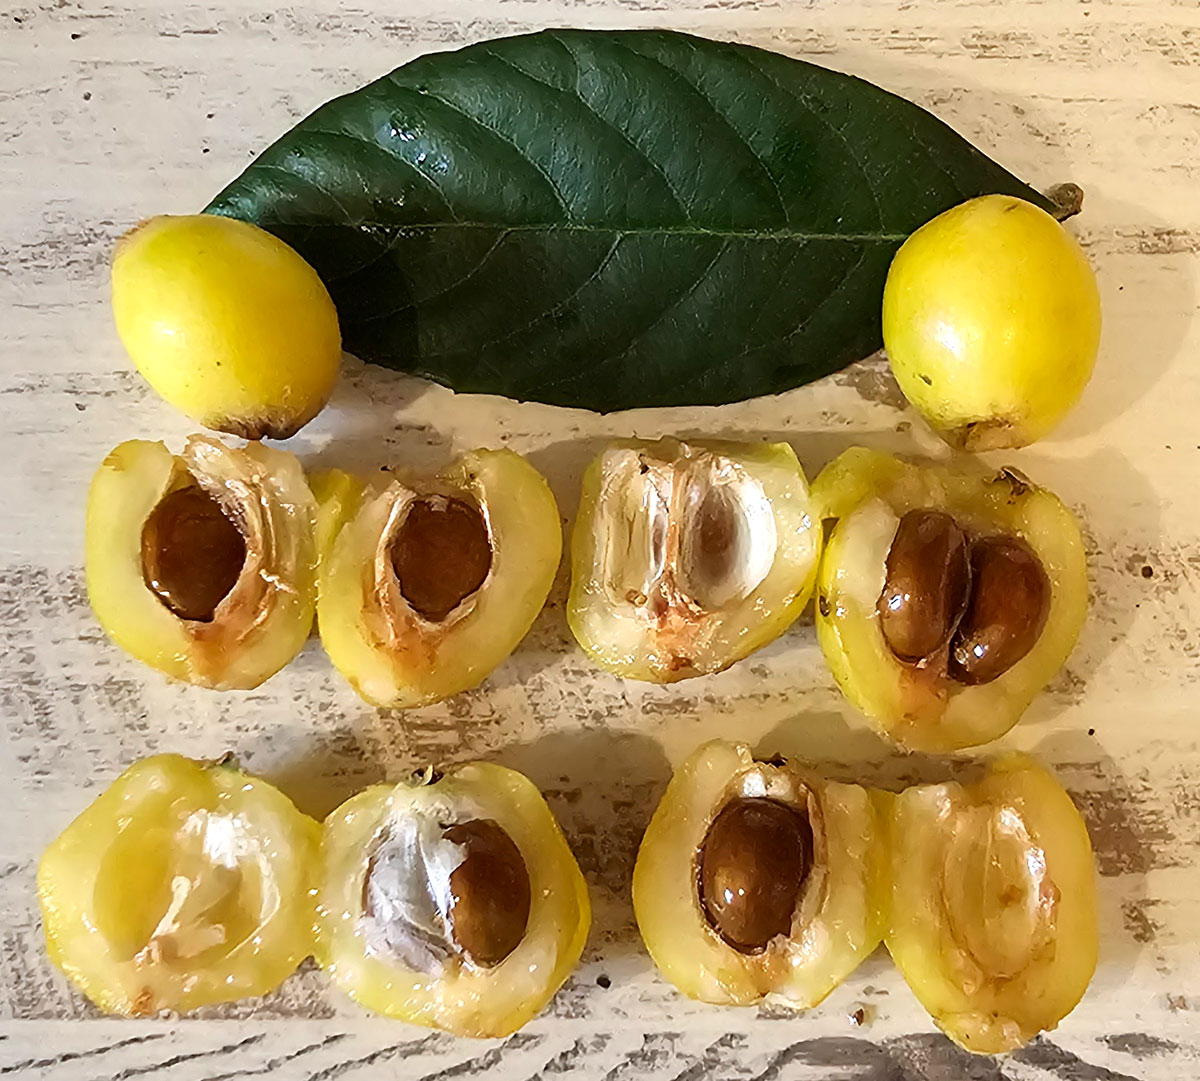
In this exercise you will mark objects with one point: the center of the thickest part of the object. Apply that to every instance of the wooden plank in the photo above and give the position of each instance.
(112, 111)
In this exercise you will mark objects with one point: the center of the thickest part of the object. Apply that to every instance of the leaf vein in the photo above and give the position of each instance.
(500, 135)
(578, 98)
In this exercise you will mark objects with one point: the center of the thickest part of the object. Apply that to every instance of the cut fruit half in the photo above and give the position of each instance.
(760, 880)
(203, 565)
(993, 905)
(185, 884)
(427, 583)
(452, 901)
(687, 557)
(981, 571)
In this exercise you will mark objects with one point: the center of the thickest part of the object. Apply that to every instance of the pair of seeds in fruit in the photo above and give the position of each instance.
(450, 901)
(986, 600)
(948, 594)
(762, 878)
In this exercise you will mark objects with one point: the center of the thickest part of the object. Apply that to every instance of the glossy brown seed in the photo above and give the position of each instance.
(489, 892)
(928, 579)
(441, 554)
(1010, 599)
(752, 865)
(191, 553)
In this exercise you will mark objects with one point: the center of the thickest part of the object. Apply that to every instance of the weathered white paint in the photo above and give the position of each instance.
(110, 111)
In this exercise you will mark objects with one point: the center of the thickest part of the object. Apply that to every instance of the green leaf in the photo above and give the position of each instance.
(611, 219)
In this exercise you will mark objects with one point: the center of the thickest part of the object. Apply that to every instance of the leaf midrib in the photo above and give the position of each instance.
(571, 227)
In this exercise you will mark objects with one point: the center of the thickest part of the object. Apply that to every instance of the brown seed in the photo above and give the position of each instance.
(191, 553)
(489, 892)
(441, 554)
(928, 579)
(752, 865)
(1010, 599)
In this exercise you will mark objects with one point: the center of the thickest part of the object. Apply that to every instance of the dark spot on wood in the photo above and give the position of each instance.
(87, 95)
(1141, 926)
(1091, 731)
(1140, 1044)
(76, 36)
(1147, 571)
(1059, 1062)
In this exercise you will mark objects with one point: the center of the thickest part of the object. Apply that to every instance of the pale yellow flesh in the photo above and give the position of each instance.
(1001, 1014)
(226, 322)
(799, 972)
(106, 885)
(867, 493)
(243, 646)
(622, 638)
(439, 661)
(991, 320)
(466, 1000)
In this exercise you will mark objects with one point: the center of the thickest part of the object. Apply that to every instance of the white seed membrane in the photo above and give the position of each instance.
(696, 532)
(407, 900)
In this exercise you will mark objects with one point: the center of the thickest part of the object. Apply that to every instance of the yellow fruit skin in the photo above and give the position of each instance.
(526, 537)
(866, 492)
(467, 1001)
(841, 933)
(991, 321)
(107, 879)
(998, 1015)
(227, 323)
(620, 641)
(235, 653)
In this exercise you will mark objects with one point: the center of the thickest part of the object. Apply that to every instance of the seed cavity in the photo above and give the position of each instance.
(974, 608)
(1010, 600)
(192, 553)
(441, 554)
(999, 900)
(928, 580)
(694, 533)
(751, 869)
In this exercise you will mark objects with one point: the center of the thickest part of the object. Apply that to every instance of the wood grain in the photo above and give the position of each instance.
(113, 111)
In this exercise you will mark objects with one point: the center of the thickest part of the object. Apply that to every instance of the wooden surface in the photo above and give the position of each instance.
(111, 111)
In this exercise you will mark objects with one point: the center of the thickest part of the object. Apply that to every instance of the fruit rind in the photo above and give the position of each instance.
(265, 619)
(421, 662)
(88, 904)
(991, 321)
(1000, 1014)
(866, 492)
(227, 323)
(831, 942)
(469, 1001)
(622, 640)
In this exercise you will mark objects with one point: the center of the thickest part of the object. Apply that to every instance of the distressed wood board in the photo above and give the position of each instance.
(111, 111)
